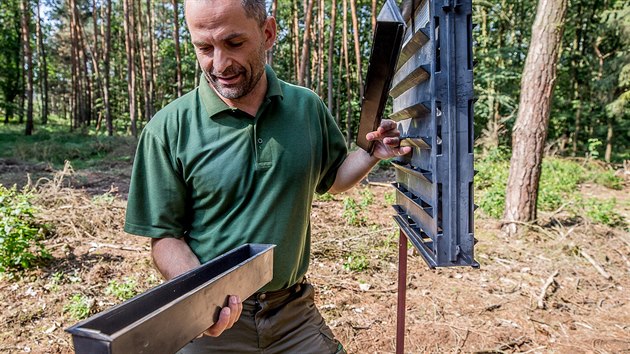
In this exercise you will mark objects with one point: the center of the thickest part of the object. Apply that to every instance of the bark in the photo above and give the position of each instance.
(347, 75)
(296, 41)
(357, 45)
(143, 63)
(274, 11)
(131, 70)
(43, 67)
(609, 140)
(320, 47)
(28, 64)
(531, 127)
(107, 66)
(178, 56)
(374, 14)
(306, 44)
(331, 52)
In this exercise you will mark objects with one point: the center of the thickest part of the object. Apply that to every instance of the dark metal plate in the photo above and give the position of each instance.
(167, 317)
(388, 35)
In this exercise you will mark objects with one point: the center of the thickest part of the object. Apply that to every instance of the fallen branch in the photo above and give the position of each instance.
(596, 265)
(625, 259)
(122, 248)
(543, 290)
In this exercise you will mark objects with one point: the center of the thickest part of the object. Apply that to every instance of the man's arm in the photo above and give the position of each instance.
(172, 257)
(359, 163)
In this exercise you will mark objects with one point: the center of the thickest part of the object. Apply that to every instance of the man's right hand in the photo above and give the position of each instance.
(227, 317)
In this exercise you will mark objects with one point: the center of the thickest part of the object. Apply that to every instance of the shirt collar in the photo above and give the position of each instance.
(215, 105)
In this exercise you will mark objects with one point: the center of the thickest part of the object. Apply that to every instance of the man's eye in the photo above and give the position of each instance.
(205, 49)
(235, 44)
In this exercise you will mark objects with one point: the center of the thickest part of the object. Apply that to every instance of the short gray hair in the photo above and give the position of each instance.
(255, 9)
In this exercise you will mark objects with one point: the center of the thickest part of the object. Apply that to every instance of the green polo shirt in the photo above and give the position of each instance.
(222, 178)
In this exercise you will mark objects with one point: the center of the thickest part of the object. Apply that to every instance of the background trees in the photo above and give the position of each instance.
(108, 65)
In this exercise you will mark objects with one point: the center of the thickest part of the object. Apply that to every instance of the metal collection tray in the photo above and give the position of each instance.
(167, 317)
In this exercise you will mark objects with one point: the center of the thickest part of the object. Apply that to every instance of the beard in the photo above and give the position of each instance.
(247, 83)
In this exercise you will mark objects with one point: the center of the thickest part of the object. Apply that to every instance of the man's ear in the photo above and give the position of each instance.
(270, 33)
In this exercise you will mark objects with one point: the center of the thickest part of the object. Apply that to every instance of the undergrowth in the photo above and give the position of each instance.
(559, 187)
(20, 234)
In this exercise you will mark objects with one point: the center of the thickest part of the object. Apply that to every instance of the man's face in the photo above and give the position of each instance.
(230, 46)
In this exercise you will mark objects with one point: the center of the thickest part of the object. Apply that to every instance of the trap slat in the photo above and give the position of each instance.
(167, 317)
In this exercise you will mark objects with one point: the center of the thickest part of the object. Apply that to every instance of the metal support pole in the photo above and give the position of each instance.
(402, 293)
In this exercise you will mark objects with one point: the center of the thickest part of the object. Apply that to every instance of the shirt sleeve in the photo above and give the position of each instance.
(334, 151)
(157, 192)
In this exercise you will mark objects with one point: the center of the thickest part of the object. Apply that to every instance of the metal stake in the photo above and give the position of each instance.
(402, 293)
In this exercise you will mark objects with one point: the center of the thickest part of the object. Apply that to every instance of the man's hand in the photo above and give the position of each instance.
(228, 316)
(386, 141)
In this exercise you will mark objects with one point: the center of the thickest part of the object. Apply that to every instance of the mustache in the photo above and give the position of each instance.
(229, 71)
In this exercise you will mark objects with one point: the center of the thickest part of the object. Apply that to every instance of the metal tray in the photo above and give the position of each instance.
(388, 35)
(167, 317)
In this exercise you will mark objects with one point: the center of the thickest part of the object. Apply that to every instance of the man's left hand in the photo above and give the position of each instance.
(386, 141)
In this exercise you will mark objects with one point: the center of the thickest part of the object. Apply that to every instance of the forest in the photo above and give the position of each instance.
(79, 79)
(106, 66)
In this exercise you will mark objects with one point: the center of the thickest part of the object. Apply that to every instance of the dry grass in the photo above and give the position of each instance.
(496, 309)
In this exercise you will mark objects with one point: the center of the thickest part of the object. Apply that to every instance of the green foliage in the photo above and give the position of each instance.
(326, 197)
(79, 306)
(603, 212)
(20, 236)
(608, 179)
(55, 147)
(122, 291)
(491, 181)
(353, 212)
(356, 263)
(558, 182)
(367, 197)
(390, 197)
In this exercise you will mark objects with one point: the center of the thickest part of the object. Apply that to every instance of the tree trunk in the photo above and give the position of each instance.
(178, 56)
(320, 47)
(143, 64)
(609, 139)
(43, 68)
(347, 75)
(131, 68)
(357, 46)
(151, 79)
(107, 66)
(374, 14)
(331, 52)
(28, 64)
(274, 11)
(306, 44)
(530, 129)
(296, 41)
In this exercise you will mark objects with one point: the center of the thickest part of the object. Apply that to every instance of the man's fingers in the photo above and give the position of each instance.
(221, 325)
(236, 307)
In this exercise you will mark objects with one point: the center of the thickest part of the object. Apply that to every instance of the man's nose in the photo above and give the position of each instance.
(221, 61)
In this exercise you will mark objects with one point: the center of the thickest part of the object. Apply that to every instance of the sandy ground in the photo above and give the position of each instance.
(535, 293)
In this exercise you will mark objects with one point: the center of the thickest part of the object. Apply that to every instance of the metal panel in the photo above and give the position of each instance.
(386, 47)
(433, 103)
(167, 317)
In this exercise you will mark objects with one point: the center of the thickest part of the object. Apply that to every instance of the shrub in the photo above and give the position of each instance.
(20, 236)
(353, 212)
(603, 212)
(122, 291)
(79, 306)
(356, 263)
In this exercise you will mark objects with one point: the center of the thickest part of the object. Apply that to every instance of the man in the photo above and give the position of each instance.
(236, 161)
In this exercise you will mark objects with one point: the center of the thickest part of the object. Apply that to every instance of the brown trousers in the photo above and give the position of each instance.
(284, 321)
